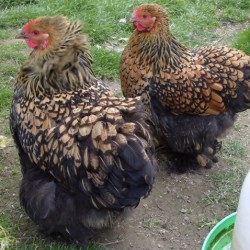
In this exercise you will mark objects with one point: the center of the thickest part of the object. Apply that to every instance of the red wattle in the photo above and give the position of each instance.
(31, 44)
(140, 27)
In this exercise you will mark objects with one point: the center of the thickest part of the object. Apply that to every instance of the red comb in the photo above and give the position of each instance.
(30, 23)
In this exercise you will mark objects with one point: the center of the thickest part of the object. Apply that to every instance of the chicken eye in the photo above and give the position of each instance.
(144, 16)
(35, 32)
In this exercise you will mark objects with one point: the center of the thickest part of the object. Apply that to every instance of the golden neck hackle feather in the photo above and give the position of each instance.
(158, 47)
(64, 65)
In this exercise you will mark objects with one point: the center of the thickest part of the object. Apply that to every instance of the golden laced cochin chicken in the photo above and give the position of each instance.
(86, 155)
(193, 95)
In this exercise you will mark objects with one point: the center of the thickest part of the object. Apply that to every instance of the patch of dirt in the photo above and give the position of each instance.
(169, 218)
(175, 215)
(227, 31)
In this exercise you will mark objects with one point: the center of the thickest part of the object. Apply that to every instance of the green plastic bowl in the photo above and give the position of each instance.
(220, 237)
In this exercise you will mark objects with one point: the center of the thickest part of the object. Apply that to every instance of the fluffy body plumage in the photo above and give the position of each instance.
(193, 95)
(86, 155)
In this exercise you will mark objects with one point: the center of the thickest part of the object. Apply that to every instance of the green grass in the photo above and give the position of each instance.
(110, 59)
(101, 18)
(228, 184)
(237, 126)
(227, 187)
(6, 34)
(11, 3)
(6, 130)
(242, 41)
(6, 94)
(16, 52)
(233, 152)
(6, 232)
(11, 57)
(152, 223)
(12, 238)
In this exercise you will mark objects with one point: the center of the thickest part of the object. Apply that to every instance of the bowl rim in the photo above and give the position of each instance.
(215, 228)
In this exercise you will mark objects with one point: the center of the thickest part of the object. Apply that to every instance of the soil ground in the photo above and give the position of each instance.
(174, 216)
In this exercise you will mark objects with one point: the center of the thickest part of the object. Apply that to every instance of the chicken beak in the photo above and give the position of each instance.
(132, 19)
(20, 35)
